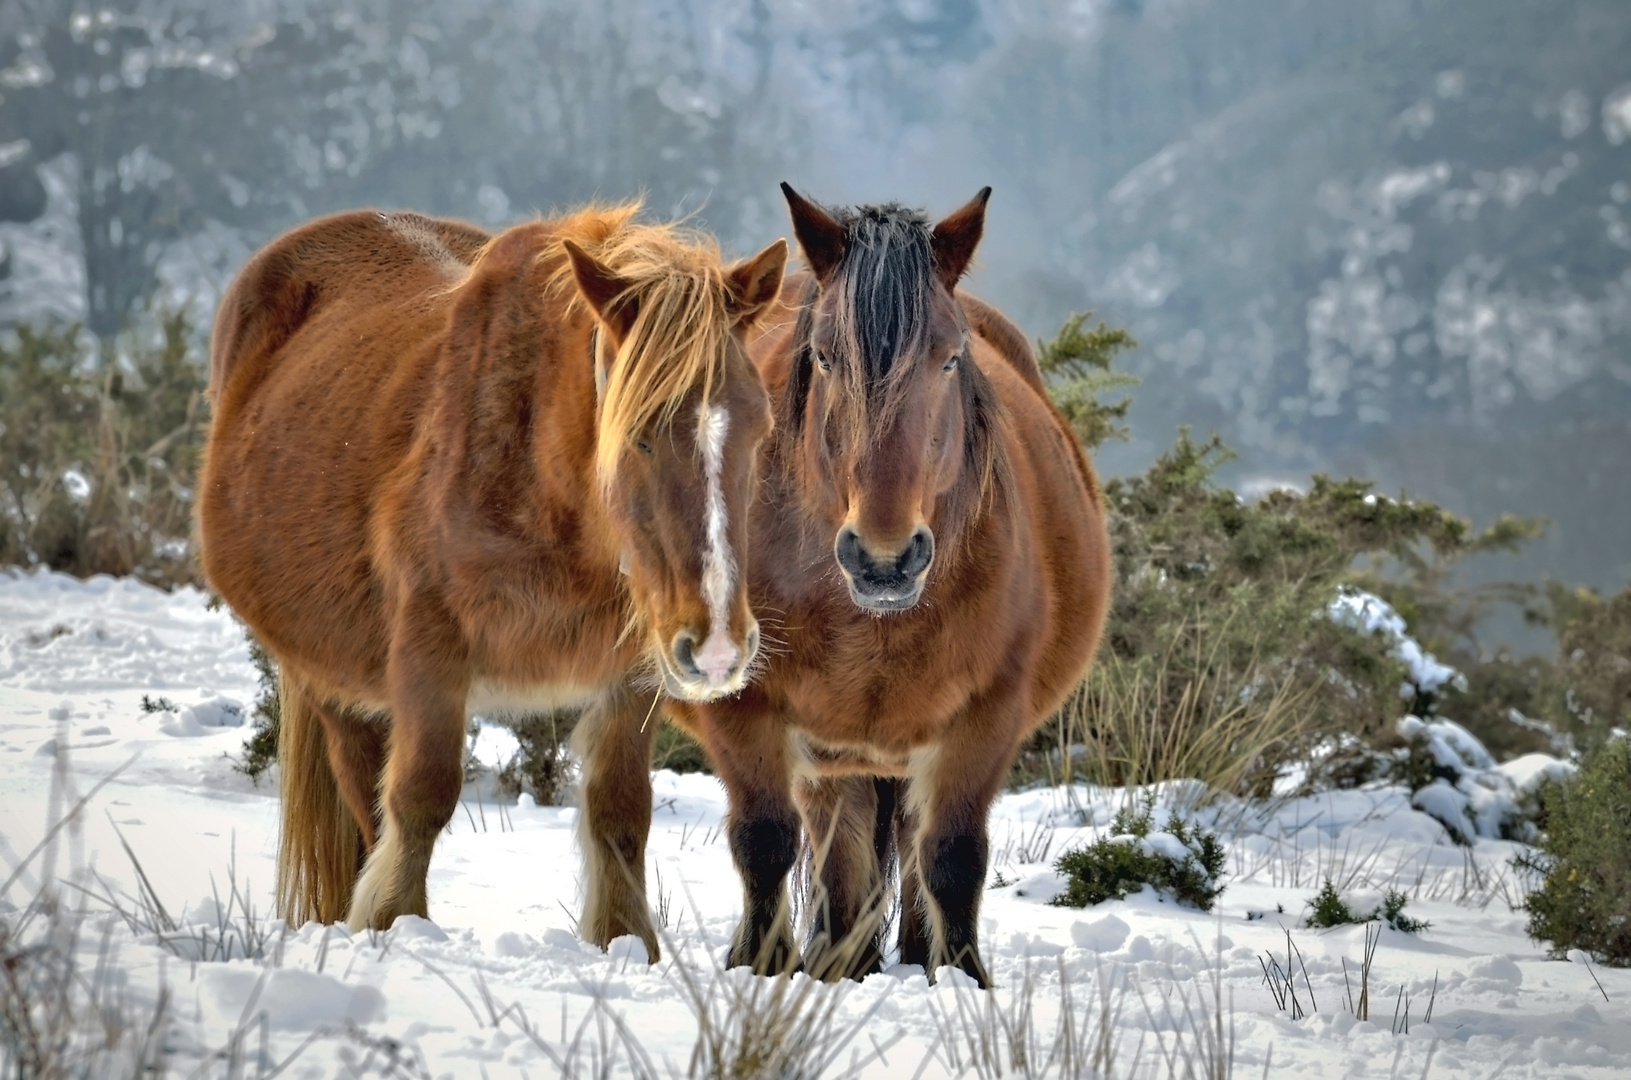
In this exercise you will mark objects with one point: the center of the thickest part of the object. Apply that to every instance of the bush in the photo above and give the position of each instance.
(542, 766)
(1182, 860)
(99, 450)
(677, 751)
(1222, 660)
(260, 749)
(1584, 860)
(1328, 909)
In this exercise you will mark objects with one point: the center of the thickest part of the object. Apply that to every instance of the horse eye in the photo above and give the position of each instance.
(821, 358)
(642, 446)
(951, 365)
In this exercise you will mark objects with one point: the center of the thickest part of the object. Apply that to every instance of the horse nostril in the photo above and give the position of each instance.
(851, 556)
(918, 555)
(753, 642)
(685, 644)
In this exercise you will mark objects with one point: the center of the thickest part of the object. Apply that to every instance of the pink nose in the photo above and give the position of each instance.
(717, 658)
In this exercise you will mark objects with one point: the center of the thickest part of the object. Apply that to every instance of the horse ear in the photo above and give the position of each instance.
(956, 237)
(750, 285)
(820, 237)
(602, 288)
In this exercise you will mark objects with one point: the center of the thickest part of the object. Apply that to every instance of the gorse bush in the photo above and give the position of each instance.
(541, 766)
(1221, 659)
(99, 449)
(260, 749)
(1181, 860)
(1584, 860)
(1327, 908)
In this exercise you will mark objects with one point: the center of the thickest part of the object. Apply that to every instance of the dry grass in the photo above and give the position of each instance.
(1018, 1033)
(1235, 732)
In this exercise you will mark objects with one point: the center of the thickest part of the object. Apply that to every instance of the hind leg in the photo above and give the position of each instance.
(424, 770)
(615, 817)
(914, 920)
(356, 756)
(846, 891)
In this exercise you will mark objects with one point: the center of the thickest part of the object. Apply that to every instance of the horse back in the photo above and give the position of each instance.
(361, 255)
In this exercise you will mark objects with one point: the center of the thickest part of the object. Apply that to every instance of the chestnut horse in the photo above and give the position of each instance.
(932, 538)
(453, 472)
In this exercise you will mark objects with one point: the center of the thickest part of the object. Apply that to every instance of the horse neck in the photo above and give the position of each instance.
(529, 446)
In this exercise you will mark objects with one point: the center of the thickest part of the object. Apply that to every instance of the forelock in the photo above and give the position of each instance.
(884, 284)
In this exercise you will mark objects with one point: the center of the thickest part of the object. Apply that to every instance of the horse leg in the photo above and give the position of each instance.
(846, 890)
(615, 817)
(748, 745)
(914, 919)
(953, 785)
(424, 769)
(356, 755)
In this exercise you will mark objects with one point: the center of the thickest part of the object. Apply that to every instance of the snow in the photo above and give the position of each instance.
(498, 985)
(1373, 615)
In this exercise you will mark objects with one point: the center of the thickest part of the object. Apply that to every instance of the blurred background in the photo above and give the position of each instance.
(1389, 239)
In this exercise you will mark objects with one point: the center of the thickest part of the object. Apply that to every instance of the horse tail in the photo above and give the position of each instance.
(1004, 336)
(321, 843)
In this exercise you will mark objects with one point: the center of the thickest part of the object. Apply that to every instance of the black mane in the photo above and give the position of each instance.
(884, 283)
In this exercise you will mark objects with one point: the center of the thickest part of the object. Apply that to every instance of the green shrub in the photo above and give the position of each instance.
(260, 749)
(1124, 862)
(542, 766)
(1589, 695)
(1221, 661)
(678, 751)
(1327, 908)
(99, 449)
(1584, 860)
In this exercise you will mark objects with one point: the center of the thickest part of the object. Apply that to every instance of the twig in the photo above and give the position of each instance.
(1594, 979)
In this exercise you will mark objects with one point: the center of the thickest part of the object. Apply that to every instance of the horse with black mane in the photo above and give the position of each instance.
(931, 554)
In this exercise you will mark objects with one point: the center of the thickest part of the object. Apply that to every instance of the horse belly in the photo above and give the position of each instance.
(492, 697)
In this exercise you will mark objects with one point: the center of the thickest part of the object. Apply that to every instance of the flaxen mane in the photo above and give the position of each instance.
(673, 277)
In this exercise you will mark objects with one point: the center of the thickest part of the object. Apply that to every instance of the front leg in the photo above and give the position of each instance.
(428, 682)
(613, 740)
(748, 743)
(950, 793)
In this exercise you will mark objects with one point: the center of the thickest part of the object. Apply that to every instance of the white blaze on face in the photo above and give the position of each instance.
(718, 654)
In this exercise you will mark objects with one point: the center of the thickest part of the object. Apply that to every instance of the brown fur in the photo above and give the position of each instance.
(414, 499)
(941, 692)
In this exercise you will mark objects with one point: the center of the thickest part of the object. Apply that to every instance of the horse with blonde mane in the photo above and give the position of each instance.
(932, 540)
(453, 472)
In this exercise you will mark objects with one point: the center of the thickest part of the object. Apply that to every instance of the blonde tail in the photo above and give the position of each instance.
(320, 845)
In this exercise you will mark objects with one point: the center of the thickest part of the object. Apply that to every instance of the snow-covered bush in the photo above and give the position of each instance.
(1328, 908)
(1181, 860)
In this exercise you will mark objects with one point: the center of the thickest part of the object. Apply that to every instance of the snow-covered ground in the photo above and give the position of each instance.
(498, 985)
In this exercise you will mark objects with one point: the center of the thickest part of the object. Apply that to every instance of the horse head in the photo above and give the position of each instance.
(681, 414)
(890, 416)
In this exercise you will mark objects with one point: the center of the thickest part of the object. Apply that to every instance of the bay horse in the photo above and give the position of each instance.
(453, 472)
(932, 540)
